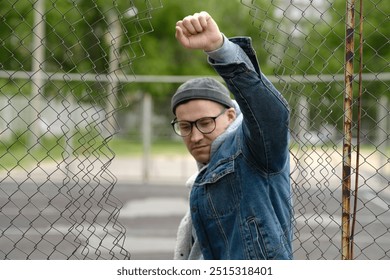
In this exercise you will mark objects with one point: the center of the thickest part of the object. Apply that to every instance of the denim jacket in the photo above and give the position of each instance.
(240, 202)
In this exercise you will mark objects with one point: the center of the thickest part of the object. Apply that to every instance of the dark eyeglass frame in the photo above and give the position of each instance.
(175, 124)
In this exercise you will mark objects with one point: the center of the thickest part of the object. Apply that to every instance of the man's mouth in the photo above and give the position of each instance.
(199, 147)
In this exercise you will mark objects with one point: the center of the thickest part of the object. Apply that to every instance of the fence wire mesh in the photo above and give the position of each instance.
(62, 67)
(59, 69)
(307, 43)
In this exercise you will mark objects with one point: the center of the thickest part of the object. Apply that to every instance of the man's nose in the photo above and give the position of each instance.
(196, 135)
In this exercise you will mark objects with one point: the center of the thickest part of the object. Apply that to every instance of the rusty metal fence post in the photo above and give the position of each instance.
(348, 119)
(312, 46)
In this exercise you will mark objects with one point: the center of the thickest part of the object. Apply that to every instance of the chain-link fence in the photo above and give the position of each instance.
(332, 63)
(59, 70)
(63, 66)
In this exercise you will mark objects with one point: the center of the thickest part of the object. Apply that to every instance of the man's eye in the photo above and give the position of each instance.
(205, 122)
(184, 126)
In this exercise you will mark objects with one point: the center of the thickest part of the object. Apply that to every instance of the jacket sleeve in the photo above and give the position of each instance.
(265, 111)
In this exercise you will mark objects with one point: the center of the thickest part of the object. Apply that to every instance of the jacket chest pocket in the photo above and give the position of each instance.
(222, 189)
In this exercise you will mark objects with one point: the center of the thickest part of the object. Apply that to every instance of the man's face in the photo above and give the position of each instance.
(199, 144)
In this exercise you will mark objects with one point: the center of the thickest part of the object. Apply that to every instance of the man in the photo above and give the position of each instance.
(240, 201)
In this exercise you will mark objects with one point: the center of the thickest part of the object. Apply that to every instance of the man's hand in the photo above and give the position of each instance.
(199, 31)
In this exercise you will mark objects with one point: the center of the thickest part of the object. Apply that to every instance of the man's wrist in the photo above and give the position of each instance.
(218, 44)
(226, 53)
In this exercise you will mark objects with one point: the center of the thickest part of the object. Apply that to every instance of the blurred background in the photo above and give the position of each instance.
(91, 169)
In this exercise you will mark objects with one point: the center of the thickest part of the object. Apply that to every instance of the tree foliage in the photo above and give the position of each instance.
(79, 37)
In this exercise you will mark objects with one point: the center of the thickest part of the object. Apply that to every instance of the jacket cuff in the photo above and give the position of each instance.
(227, 53)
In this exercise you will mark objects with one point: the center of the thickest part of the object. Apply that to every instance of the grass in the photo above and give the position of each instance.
(17, 153)
(125, 147)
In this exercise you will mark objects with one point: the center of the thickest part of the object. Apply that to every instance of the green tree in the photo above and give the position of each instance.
(164, 56)
(318, 48)
(78, 41)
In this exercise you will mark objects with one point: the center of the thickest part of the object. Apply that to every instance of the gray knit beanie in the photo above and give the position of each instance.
(201, 88)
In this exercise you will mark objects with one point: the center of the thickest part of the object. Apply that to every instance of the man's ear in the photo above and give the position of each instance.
(231, 114)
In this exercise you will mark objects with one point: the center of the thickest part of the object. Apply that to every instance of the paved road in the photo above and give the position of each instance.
(42, 217)
(151, 215)
(152, 211)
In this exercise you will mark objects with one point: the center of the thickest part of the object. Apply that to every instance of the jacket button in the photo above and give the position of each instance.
(194, 209)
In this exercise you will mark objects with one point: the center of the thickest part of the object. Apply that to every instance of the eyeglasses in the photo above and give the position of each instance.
(205, 125)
